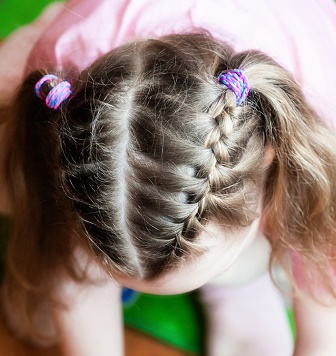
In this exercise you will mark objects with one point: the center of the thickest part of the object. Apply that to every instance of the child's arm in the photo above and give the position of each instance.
(315, 327)
(92, 325)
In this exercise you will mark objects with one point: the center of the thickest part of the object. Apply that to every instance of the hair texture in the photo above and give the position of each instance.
(149, 147)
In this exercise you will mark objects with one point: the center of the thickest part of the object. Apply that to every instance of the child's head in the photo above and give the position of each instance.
(151, 146)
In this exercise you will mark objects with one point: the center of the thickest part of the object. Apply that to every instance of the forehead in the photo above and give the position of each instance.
(222, 248)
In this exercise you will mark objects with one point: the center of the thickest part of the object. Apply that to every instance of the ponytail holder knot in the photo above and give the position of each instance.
(237, 82)
(60, 92)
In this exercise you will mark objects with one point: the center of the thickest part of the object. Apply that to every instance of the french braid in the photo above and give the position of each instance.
(226, 182)
(185, 159)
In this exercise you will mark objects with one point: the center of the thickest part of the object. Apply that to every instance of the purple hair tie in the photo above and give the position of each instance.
(236, 81)
(57, 94)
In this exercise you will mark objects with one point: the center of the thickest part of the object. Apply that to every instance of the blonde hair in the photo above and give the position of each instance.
(149, 148)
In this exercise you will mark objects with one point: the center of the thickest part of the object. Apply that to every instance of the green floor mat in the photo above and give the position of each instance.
(176, 320)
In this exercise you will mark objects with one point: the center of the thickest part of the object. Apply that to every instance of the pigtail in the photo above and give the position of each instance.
(300, 191)
(39, 241)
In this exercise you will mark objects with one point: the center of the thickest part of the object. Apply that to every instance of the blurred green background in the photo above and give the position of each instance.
(15, 13)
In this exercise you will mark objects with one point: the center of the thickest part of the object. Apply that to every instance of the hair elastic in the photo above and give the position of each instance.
(237, 82)
(57, 94)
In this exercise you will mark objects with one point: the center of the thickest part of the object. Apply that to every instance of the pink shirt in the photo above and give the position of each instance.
(299, 34)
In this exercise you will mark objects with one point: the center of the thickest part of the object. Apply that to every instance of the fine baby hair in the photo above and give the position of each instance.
(148, 147)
